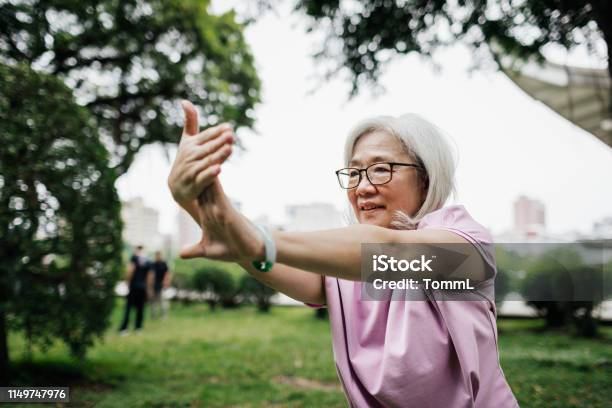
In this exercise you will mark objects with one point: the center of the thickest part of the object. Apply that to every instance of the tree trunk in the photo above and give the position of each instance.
(263, 306)
(4, 356)
(602, 11)
(586, 324)
(321, 313)
(556, 315)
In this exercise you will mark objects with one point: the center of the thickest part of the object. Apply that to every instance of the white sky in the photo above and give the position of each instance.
(508, 144)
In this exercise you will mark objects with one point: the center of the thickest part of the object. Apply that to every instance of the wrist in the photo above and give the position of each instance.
(256, 249)
(191, 207)
(181, 200)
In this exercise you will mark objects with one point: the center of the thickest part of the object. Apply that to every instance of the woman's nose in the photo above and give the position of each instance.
(365, 187)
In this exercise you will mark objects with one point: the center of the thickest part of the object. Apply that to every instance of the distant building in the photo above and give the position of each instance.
(140, 225)
(311, 217)
(530, 225)
(189, 232)
(529, 216)
(168, 247)
(267, 222)
(602, 229)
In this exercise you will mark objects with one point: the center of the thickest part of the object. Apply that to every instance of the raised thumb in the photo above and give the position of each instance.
(191, 126)
(193, 251)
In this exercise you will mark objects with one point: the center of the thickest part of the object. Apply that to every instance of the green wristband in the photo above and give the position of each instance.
(262, 266)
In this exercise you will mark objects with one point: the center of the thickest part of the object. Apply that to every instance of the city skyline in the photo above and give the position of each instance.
(141, 226)
(508, 144)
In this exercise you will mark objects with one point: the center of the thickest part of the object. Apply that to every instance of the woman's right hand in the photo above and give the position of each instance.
(199, 157)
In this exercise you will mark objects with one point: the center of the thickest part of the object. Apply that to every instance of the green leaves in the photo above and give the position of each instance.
(368, 33)
(59, 214)
(130, 62)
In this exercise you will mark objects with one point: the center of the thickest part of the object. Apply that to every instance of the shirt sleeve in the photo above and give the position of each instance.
(316, 305)
(456, 219)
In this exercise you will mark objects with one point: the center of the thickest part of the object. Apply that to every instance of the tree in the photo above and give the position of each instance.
(129, 61)
(218, 285)
(126, 62)
(59, 217)
(363, 35)
(256, 292)
(321, 313)
(183, 283)
(557, 276)
(503, 285)
(508, 263)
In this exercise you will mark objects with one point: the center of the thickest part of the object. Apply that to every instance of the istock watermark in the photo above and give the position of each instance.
(383, 263)
(575, 272)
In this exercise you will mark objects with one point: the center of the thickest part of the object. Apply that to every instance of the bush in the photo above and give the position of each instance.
(183, 283)
(556, 277)
(217, 285)
(193, 278)
(321, 313)
(256, 292)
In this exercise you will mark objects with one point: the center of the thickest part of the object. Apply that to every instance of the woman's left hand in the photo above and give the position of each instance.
(227, 234)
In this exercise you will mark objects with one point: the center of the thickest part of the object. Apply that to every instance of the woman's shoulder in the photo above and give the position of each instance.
(457, 218)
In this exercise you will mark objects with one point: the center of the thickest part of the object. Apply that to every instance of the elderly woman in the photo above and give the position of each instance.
(399, 173)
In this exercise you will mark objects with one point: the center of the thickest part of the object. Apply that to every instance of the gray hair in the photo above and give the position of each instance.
(424, 143)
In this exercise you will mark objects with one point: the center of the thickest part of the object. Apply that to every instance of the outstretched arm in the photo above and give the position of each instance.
(294, 282)
(232, 237)
(338, 252)
(334, 252)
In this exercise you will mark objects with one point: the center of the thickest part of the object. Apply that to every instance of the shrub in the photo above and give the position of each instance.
(556, 277)
(256, 292)
(217, 285)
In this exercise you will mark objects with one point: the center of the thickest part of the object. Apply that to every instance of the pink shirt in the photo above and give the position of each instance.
(419, 353)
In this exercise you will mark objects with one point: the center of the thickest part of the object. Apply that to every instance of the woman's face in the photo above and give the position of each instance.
(376, 204)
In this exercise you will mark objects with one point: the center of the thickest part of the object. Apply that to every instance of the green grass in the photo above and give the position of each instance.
(548, 369)
(242, 358)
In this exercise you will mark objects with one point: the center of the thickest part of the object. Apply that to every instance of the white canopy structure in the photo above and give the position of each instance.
(581, 95)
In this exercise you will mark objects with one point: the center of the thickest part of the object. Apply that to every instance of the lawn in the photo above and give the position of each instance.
(242, 358)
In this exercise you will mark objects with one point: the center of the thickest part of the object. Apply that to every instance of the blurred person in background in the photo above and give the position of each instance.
(162, 278)
(139, 283)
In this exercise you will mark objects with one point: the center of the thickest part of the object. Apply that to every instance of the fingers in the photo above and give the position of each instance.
(205, 177)
(217, 157)
(213, 132)
(191, 126)
(208, 148)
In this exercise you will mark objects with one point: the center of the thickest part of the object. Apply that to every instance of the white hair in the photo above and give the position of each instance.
(424, 143)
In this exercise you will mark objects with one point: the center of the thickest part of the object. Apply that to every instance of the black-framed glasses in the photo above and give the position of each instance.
(376, 173)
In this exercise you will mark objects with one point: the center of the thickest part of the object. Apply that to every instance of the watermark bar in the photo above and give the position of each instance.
(563, 272)
(34, 394)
